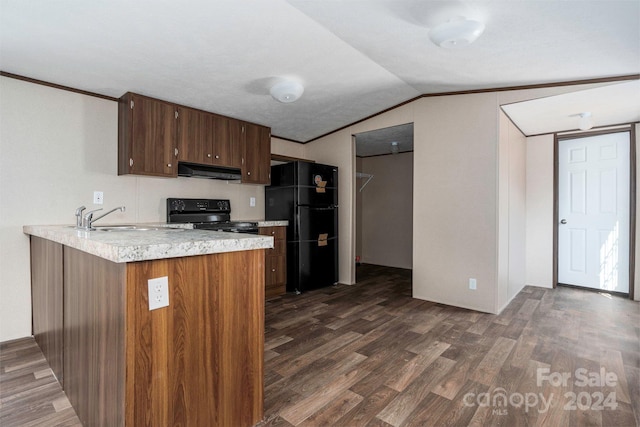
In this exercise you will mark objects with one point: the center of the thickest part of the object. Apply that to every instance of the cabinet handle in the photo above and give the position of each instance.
(273, 232)
(217, 157)
(168, 165)
(175, 152)
(130, 162)
(248, 173)
(273, 270)
(209, 155)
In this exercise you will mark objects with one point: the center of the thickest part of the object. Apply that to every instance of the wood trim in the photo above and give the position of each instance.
(632, 197)
(369, 117)
(56, 86)
(281, 158)
(578, 132)
(556, 170)
(286, 139)
(426, 95)
(498, 89)
(385, 154)
(632, 212)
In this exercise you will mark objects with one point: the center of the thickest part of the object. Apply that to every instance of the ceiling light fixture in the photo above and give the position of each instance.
(394, 147)
(287, 91)
(456, 32)
(585, 122)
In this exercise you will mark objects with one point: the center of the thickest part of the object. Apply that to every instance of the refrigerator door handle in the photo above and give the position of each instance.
(330, 208)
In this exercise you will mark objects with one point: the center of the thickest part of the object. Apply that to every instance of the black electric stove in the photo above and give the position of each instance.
(207, 214)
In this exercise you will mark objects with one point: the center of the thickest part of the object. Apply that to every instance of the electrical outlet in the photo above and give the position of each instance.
(158, 292)
(472, 284)
(252, 201)
(98, 198)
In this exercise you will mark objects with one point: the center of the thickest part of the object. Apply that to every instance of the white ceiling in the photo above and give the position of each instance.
(378, 142)
(608, 105)
(355, 58)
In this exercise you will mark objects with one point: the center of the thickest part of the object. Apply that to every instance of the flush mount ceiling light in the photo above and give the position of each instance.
(287, 91)
(456, 32)
(585, 122)
(394, 147)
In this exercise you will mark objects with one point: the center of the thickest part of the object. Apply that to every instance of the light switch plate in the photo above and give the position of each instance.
(252, 202)
(158, 292)
(473, 284)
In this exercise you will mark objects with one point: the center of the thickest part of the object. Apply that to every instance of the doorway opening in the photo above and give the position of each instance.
(384, 198)
(594, 214)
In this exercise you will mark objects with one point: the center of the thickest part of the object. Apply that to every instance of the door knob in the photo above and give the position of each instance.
(563, 221)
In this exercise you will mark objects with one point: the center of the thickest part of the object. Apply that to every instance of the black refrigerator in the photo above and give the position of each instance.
(306, 194)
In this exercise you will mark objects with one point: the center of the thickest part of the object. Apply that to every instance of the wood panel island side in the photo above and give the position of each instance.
(197, 362)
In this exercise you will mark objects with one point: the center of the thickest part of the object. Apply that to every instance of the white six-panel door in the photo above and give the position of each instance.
(593, 211)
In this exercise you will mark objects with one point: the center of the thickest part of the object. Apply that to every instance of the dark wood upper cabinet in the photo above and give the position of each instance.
(257, 154)
(236, 143)
(210, 139)
(154, 135)
(147, 136)
(195, 136)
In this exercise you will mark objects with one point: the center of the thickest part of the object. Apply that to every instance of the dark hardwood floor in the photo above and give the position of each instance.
(30, 395)
(370, 355)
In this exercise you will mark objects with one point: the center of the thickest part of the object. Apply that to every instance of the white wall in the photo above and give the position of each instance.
(387, 210)
(517, 212)
(56, 148)
(455, 200)
(465, 185)
(539, 246)
(287, 148)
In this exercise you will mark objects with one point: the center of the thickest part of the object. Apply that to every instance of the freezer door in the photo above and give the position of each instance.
(317, 184)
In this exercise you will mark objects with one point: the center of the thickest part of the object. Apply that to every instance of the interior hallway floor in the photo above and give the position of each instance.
(370, 355)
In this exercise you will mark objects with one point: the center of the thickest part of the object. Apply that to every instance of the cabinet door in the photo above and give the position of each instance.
(47, 301)
(236, 143)
(257, 154)
(221, 144)
(275, 262)
(152, 143)
(195, 136)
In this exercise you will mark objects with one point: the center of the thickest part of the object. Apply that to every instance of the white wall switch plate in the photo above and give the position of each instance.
(158, 292)
(98, 198)
(252, 201)
(472, 284)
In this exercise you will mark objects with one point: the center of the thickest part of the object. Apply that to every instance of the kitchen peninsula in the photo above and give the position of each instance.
(197, 362)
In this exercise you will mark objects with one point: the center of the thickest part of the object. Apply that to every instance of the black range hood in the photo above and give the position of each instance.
(208, 171)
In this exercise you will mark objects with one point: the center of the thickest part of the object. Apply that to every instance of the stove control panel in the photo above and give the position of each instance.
(198, 205)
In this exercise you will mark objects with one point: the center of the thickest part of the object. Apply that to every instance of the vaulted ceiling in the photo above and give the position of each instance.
(354, 58)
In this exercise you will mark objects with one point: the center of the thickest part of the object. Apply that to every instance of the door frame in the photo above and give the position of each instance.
(632, 195)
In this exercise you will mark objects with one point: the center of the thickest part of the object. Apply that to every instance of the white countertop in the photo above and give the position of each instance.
(166, 242)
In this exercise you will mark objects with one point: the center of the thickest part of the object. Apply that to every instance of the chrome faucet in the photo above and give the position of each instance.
(88, 219)
(79, 216)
